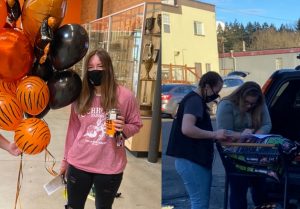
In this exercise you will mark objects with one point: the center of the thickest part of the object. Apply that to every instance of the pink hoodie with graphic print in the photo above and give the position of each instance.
(87, 148)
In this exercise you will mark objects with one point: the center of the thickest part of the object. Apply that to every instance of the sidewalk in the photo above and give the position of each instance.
(140, 188)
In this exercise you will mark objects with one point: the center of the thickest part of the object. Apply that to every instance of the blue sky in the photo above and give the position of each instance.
(271, 11)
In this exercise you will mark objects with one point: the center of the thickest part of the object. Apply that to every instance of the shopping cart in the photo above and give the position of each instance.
(256, 159)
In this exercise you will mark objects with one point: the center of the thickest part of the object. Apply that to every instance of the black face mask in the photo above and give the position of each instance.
(95, 77)
(211, 97)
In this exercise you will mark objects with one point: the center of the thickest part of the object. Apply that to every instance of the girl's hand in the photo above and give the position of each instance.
(220, 135)
(13, 149)
(247, 131)
(119, 123)
(63, 168)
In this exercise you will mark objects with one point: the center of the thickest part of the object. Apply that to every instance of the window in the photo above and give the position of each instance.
(198, 71)
(198, 28)
(232, 82)
(166, 23)
(208, 67)
(198, 68)
(171, 2)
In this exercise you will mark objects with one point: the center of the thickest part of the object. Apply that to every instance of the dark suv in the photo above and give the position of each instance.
(282, 93)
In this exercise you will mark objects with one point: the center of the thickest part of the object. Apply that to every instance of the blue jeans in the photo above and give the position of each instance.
(197, 180)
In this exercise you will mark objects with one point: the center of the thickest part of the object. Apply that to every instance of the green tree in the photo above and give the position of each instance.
(298, 25)
(257, 36)
(220, 39)
(265, 26)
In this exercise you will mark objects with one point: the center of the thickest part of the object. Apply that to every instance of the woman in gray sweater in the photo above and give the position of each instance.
(244, 112)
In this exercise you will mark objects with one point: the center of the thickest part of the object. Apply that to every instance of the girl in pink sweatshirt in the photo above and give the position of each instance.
(91, 157)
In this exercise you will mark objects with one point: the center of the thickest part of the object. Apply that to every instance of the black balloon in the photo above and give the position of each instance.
(41, 115)
(65, 87)
(42, 39)
(14, 11)
(44, 71)
(69, 45)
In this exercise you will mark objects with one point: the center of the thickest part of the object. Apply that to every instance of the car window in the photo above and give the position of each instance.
(297, 100)
(166, 88)
(284, 108)
(232, 82)
(187, 89)
(279, 93)
(182, 89)
(177, 90)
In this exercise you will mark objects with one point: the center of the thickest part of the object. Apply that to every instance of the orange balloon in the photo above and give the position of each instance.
(35, 11)
(16, 54)
(3, 13)
(33, 95)
(9, 87)
(32, 136)
(11, 113)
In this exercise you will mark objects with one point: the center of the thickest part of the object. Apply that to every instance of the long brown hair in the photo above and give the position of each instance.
(252, 89)
(108, 85)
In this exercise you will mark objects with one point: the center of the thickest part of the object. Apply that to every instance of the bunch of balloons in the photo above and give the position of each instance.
(34, 67)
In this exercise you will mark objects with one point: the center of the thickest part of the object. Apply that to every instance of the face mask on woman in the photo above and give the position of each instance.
(95, 76)
(212, 97)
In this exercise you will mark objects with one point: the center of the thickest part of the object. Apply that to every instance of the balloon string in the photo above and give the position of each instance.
(50, 168)
(19, 183)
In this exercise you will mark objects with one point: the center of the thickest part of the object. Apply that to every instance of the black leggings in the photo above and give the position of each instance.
(80, 182)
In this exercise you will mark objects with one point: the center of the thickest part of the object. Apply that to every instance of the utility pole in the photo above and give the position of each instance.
(156, 117)
(233, 59)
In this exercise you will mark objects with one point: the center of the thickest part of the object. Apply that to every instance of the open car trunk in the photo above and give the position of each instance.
(285, 110)
(283, 100)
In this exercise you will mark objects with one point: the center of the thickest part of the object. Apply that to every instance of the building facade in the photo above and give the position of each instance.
(189, 38)
(260, 64)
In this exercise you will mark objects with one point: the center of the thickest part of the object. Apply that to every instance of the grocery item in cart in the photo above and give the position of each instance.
(259, 154)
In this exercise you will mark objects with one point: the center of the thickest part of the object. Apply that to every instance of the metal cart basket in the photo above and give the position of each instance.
(255, 159)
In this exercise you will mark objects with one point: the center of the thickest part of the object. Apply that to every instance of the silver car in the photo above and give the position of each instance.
(171, 95)
(230, 84)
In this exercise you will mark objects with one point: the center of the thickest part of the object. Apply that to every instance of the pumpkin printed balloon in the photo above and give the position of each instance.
(9, 87)
(11, 113)
(32, 136)
(33, 95)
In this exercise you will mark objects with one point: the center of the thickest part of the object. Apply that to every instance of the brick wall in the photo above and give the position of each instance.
(112, 6)
(73, 12)
(89, 7)
(88, 10)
